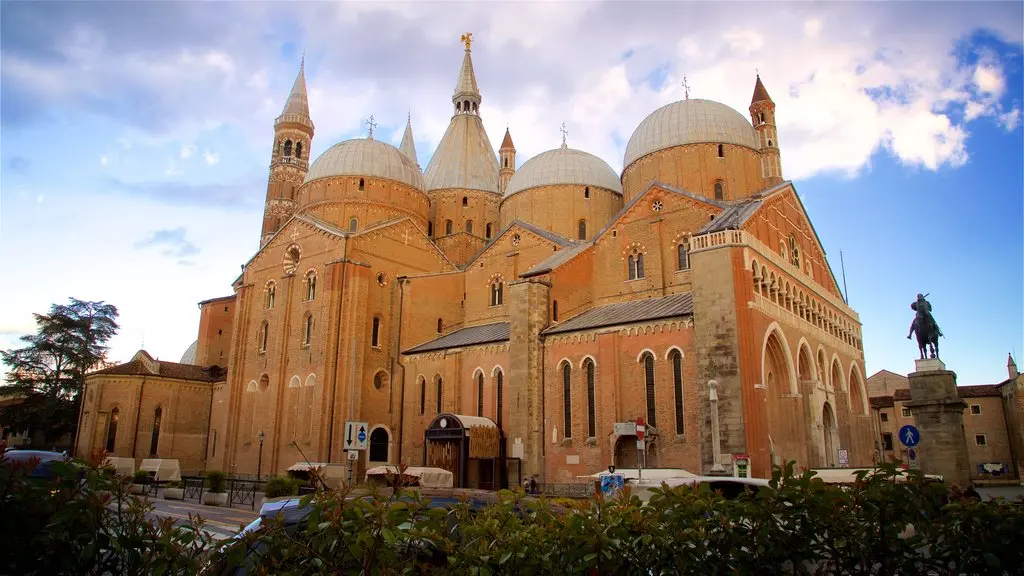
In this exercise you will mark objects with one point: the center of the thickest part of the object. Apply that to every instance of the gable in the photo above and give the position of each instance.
(671, 202)
(506, 241)
(317, 236)
(781, 214)
(403, 242)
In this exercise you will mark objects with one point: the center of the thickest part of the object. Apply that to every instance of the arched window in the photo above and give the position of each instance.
(506, 161)
(298, 149)
(307, 333)
(567, 399)
(636, 265)
(652, 413)
(721, 151)
(287, 148)
(115, 415)
(262, 337)
(487, 230)
(769, 142)
(677, 384)
(447, 227)
(586, 191)
(430, 229)
(268, 297)
(496, 289)
(682, 258)
(465, 201)
(480, 394)
(154, 441)
(362, 184)
(440, 325)
(353, 224)
(554, 310)
(581, 231)
(379, 442)
(423, 395)
(588, 370)
(375, 334)
(719, 191)
(469, 226)
(458, 106)
(311, 286)
(440, 394)
(499, 391)
(760, 117)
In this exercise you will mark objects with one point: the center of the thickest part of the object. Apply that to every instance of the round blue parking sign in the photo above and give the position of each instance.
(909, 436)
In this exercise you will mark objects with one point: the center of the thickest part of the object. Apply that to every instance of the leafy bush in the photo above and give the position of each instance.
(796, 526)
(281, 486)
(141, 477)
(216, 481)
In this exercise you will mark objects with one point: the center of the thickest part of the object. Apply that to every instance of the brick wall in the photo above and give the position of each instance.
(560, 208)
(696, 167)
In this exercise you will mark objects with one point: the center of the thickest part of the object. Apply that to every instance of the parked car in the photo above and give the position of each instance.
(44, 467)
(729, 487)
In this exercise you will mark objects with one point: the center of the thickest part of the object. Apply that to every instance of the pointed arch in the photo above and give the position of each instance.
(776, 359)
(676, 348)
(646, 361)
(589, 369)
(499, 385)
(640, 356)
(423, 394)
(836, 373)
(479, 377)
(804, 360)
(823, 373)
(565, 367)
(858, 394)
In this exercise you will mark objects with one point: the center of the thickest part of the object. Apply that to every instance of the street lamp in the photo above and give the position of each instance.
(259, 463)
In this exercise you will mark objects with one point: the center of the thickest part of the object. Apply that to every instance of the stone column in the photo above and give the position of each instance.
(716, 436)
(524, 392)
(939, 415)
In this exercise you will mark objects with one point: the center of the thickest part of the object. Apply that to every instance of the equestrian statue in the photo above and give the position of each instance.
(925, 327)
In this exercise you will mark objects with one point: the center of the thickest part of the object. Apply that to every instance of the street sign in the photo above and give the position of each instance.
(641, 429)
(641, 445)
(353, 454)
(844, 457)
(910, 436)
(912, 457)
(356, 435)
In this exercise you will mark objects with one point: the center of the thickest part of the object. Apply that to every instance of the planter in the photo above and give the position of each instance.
(174, 493)
(137, 488)
(215, 498)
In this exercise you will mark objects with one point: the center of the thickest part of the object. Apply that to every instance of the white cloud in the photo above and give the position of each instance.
(211, 158)
(187, 151)
(1010, 120)
(812, 28)
(989, 79)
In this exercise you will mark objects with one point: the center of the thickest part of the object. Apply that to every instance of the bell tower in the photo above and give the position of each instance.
(289, 159)
(762, 116)
(507, 152)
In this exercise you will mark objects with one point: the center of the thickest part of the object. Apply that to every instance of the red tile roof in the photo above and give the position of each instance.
(978, 391)
(139, 366)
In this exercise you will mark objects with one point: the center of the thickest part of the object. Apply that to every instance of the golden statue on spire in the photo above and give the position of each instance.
(468, 39)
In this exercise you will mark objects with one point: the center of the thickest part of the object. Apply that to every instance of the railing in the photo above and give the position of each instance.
(192, 487)
(243, 492)
(575, 490)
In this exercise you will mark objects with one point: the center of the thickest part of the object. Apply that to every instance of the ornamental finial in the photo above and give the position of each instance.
(564, 134)
(371, 124)
(467, 38)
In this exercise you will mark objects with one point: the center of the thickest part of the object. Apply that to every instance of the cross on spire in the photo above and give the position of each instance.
(686, 89)
(371, 124)
(564, 134)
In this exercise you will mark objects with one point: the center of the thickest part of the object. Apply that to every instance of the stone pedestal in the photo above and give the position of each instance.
(939, 415)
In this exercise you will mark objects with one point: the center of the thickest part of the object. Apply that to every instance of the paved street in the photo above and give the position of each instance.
(222, 522)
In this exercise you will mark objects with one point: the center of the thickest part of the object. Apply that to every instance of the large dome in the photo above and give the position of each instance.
(366, 157)
(689, 122)
(564, 166)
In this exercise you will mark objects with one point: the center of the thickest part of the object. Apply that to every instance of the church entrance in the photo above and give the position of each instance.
(469, 447)
(626, 454)
(828, 422)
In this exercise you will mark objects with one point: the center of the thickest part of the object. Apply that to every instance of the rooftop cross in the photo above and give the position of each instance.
(371, 124)
(468, 39)
(564, 134)
(686, 89)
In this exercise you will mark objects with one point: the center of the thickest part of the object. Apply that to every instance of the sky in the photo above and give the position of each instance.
(135, 137)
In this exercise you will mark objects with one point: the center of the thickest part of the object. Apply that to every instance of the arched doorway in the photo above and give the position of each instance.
(828, 422)
(626, 454)
(380, 444)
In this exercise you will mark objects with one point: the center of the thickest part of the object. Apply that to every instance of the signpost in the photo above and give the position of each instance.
(844, 458)
(912, 457)
(910, 436)
(641, 447)
(356, 435)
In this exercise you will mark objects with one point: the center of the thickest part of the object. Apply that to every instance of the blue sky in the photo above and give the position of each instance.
(135, 137)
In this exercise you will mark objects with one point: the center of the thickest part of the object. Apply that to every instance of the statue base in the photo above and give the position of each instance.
(938, 413)
(929, 365)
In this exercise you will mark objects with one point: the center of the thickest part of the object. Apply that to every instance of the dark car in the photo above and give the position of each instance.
(45, 460)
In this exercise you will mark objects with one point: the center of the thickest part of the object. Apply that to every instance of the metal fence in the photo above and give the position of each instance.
(243, 492)
(192, 487)
(575, 490)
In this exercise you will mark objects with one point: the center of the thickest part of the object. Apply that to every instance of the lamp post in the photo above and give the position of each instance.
(259, 463)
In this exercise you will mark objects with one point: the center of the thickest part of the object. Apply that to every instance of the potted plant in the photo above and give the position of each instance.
(173, 491)
(278, 486)
(139, 482)
(216, 489)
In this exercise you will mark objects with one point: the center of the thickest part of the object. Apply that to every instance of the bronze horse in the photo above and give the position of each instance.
(926, 328)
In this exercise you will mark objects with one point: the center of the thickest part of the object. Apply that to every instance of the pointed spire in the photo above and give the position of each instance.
(760, 94)
(1011, 366)
(297, 102)
(408, 145)
(506, 143)
(466, 88)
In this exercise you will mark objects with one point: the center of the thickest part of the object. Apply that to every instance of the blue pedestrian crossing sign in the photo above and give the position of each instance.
(909, 436)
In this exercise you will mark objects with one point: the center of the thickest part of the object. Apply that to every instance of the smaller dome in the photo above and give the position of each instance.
(366, 157)
(564, 166)
(689, 122)
(189, 357)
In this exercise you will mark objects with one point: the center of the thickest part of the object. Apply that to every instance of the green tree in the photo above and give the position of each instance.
(48, 374)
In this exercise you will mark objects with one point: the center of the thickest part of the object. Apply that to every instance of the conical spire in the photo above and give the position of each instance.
(408, 145)
(1011, 366)
(297, 102)
(506, 143)
(760, 94)
(467, 95)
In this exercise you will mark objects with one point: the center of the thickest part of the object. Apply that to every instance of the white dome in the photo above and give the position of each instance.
(564, 166)
(366, 157)
(189, 357)
(689, 122)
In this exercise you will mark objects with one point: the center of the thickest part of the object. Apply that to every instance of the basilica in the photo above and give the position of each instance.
(503, 319)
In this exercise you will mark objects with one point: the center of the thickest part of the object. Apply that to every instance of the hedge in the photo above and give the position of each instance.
(797, 526)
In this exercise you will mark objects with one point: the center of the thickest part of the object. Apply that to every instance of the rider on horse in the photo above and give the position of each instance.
(924, 325)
